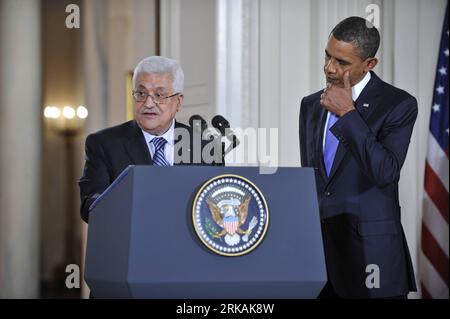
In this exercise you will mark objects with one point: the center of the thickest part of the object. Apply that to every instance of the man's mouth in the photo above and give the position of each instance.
(332, 80)
(149, 113)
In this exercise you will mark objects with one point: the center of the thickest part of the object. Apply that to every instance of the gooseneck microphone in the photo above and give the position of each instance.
(198, 123)
(221, 124)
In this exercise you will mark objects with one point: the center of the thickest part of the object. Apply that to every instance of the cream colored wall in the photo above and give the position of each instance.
(188, 34)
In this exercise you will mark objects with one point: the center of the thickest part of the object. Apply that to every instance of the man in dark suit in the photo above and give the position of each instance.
(356, 134)
(153, 138)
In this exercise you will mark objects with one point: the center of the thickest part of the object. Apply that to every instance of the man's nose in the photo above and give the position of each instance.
(329, 67)
(149, 102)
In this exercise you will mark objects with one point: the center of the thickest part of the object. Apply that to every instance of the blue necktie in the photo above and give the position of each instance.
(331, 144)
(158, 158)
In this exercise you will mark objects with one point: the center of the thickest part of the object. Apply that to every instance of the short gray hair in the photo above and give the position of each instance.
(161, 65)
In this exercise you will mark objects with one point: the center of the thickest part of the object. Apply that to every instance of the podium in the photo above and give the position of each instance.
(142, 242)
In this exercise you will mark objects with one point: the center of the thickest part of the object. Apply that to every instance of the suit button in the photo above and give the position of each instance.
(327, 194)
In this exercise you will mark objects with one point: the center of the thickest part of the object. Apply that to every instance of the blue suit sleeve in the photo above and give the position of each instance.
(380, 156)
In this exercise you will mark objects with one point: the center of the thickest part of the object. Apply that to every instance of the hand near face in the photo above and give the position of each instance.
(338, 100)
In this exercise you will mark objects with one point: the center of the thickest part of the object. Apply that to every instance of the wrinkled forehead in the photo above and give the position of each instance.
(155, 81)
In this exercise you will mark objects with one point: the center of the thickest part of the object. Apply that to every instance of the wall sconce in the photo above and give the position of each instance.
(66, 119)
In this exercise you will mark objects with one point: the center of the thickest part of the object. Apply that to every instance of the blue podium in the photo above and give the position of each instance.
(142, 242)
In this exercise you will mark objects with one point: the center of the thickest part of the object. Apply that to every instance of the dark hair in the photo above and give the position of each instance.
(361, 32)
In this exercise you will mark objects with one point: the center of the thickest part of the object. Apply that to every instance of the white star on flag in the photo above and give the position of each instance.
(440, 89)
(446, 52)
(436, 107)
(443, 71)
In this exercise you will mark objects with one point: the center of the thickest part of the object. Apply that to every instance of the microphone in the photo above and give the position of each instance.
(202, 133)
(221, 124)
(198, 123)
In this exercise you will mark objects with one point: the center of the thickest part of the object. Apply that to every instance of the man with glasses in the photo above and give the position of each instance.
(149, 139)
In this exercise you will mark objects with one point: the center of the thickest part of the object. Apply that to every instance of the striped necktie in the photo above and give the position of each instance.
(158, 157)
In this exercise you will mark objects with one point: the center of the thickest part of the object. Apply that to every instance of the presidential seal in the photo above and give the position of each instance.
(230, 215)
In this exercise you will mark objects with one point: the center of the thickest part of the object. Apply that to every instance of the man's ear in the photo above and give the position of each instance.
(180, 102)
(370, 64)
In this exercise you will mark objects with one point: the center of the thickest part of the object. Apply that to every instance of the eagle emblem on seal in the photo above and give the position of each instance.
(230, 215)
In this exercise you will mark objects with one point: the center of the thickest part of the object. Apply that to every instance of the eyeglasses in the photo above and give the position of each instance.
(158, 98)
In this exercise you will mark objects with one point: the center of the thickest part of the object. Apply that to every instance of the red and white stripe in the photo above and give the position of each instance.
(434, 263)
(231, 226)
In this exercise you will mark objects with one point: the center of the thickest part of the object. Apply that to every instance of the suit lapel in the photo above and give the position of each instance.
(366, 102)
(136, 146)
(365, 106)
(320, 119)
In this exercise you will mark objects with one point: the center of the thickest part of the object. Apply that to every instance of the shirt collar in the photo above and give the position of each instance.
(358, 88)
(168, 135)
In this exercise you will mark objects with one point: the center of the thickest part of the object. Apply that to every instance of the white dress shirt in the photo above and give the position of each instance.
(356, 91)
(168, 148)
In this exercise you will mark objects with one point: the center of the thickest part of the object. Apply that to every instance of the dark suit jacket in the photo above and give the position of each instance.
(110, 151)
(359, 205)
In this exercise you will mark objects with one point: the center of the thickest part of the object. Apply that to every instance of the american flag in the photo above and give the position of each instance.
(434, 266)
